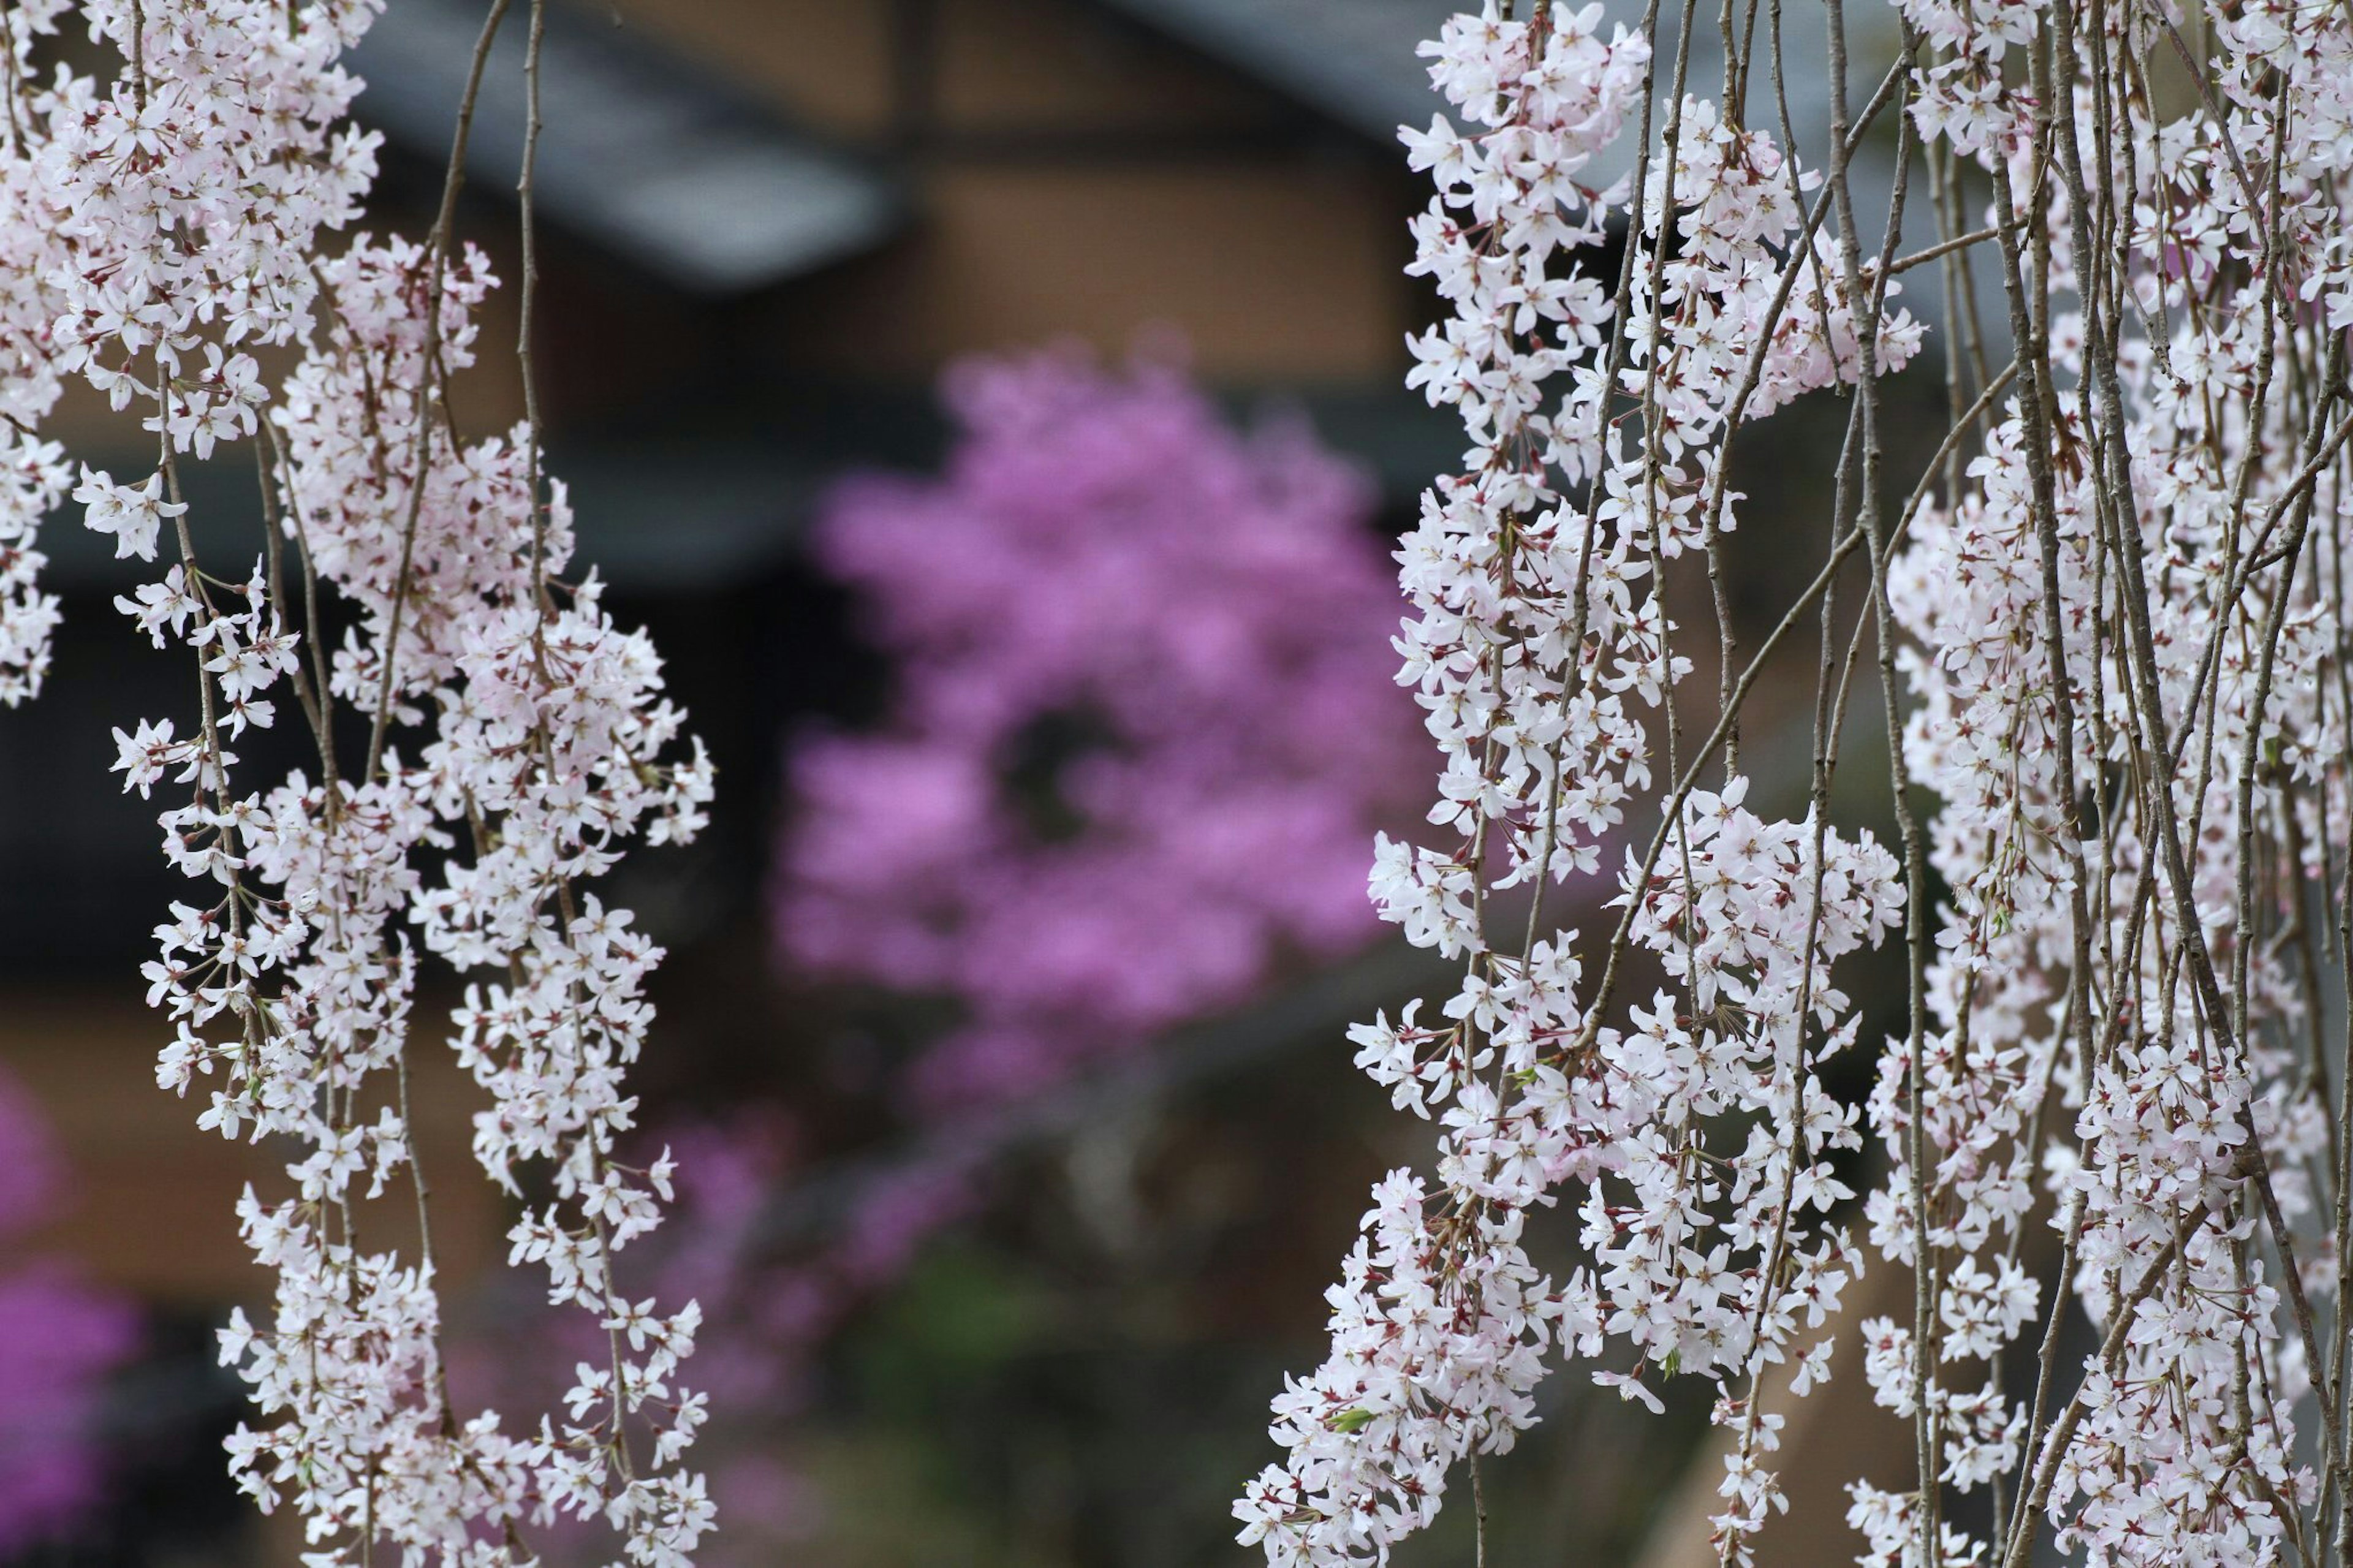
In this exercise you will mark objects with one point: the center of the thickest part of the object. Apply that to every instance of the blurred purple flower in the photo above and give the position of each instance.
(1145, 720)
(58, 1340)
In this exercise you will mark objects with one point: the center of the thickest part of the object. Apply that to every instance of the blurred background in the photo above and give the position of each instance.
(994, 410)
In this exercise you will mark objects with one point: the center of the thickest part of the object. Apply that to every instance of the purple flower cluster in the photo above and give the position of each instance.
(1144, 721)
(1143, 730)
(58, 1339)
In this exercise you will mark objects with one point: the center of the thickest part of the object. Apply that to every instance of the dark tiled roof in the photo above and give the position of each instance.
(638, 151)
(1353, 59)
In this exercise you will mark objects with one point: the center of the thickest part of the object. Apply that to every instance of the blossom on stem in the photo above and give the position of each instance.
(166, 223)
(1541, 651)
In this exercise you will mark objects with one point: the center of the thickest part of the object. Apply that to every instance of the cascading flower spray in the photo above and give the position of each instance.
(158, 227)
(2110, 636)
(1541, 643)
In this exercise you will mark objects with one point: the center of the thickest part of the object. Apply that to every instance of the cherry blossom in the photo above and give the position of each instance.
(165, 223)
(1542, 655)
(2110, 642)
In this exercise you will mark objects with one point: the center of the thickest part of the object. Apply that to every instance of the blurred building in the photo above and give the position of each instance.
(767, 224)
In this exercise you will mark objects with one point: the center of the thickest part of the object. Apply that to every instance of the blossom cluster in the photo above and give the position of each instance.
(2112, 628)
(1691, 1133)
(1134, 665)
(34, 474)
(2189, 1148)
(60, 1336)
(518, 740)
(761, 1329)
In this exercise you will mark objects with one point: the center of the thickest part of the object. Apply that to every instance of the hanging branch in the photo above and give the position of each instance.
(2110, 632)
(503, 708)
